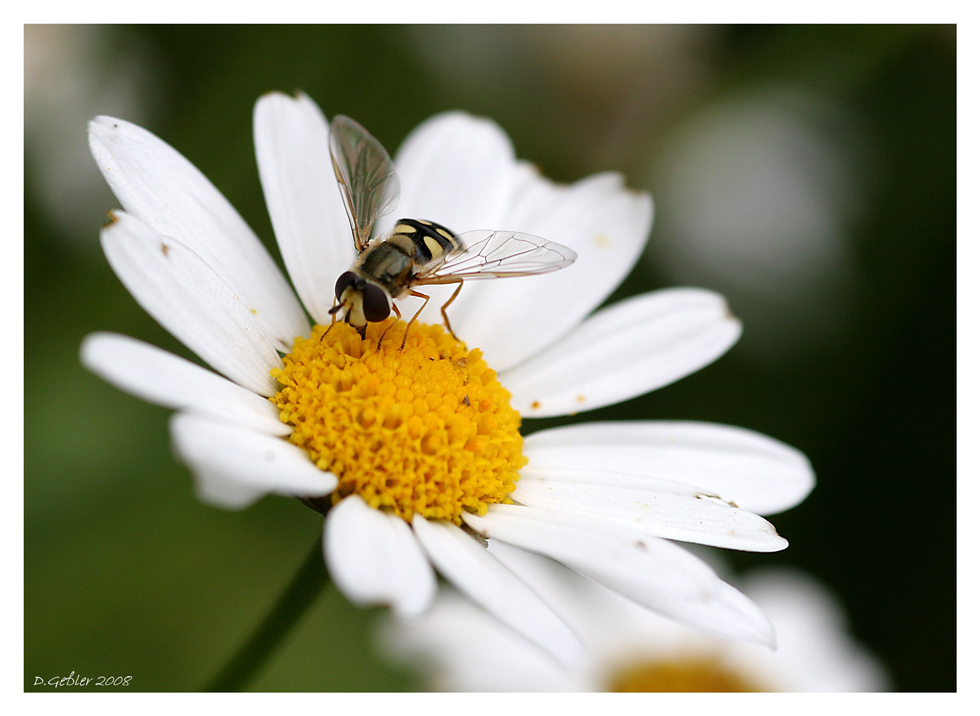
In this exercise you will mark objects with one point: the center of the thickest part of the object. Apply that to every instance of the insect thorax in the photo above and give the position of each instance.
(412, 245)
(387, 264)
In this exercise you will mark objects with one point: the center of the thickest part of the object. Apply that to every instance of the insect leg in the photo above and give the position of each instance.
(417, 295)
(397, 313)
(445, 316)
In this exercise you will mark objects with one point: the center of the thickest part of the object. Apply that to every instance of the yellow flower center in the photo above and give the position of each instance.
(423, 429)
(684, 675)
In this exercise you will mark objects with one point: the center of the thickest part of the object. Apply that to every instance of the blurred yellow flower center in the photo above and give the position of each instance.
(682, 675)
(423, 429)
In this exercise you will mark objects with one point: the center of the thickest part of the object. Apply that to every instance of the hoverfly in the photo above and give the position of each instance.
(416, 252)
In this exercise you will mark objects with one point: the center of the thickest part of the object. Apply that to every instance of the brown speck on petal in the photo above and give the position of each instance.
(536, 404)
(165, 249)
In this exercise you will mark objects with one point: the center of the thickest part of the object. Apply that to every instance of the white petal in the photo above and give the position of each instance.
(457, 170)
(374, 558)
(304, 201)
(471, 569)
(692, 517)
(654, 572)
(515, 318)
(597, 612)
(816, 652)
(162, 378)
(753, 471)
(625, 350)
(234, 467)
(460, 647)
(191, 301)
(155, 183)
(219, 489)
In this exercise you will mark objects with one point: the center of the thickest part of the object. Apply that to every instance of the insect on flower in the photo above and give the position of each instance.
(417, 252)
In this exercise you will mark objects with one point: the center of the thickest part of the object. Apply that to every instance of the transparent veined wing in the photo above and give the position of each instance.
(366, 176)
(498, 254)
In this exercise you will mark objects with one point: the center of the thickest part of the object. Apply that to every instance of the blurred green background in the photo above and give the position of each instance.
(808, 173)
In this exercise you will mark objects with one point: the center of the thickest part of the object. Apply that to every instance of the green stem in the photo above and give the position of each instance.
(291, 605)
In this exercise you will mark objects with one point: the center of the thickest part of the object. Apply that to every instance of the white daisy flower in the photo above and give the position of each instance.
(631, 648)
(416, 449)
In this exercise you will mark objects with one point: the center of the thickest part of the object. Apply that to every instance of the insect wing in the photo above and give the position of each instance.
(499, 254)
(366, 176)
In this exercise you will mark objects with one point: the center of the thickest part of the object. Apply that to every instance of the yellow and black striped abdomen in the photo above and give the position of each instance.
(430, 241)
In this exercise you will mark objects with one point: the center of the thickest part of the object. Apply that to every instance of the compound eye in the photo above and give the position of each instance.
(344, 282)
(375, 304)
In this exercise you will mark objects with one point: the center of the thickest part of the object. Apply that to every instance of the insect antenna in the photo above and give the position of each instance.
(333, 317)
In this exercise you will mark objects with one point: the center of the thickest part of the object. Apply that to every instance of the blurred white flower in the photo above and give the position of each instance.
(607, 86)
(71, 73)
(631, 648)
(756, 196)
